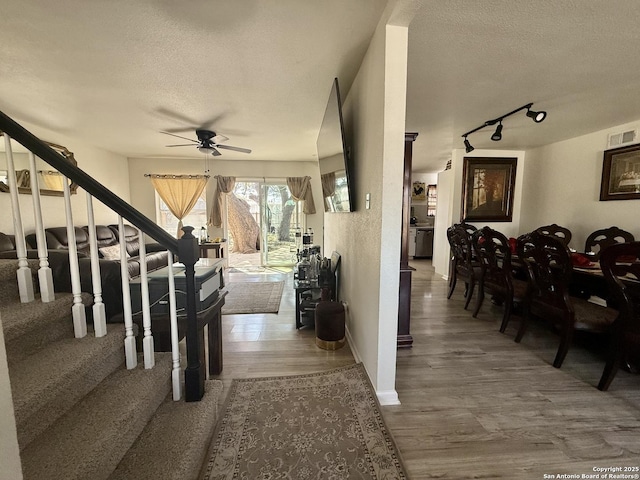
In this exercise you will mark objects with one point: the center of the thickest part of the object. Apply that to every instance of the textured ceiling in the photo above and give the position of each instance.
(260, 71)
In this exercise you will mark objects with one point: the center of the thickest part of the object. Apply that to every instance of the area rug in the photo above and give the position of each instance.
(252, 297)
(318, 426)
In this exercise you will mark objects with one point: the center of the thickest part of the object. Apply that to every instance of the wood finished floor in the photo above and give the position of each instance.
(474, 403)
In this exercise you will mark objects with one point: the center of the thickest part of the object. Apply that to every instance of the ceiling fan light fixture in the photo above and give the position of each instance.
(205, 149)
(497, 135)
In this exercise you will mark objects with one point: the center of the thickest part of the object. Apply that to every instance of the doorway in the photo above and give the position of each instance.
(262, 221)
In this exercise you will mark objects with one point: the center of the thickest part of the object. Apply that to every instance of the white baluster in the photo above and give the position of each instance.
(25, 280)
(45, 277)
(147, 341)
(176, 379)
(130, 353)
(99, 315)
(77, 311)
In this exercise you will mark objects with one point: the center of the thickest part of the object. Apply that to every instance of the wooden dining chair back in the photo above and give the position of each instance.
(549, 269)
(600, 239)
(496, 276)
(462, 266)
(555, 230)
(620, 265)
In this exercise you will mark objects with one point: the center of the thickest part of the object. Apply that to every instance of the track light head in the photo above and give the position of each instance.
(536, 116)
(467, 145)
(497, 135)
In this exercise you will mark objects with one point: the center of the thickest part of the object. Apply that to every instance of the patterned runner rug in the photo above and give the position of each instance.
(323, 425)
(253, 297)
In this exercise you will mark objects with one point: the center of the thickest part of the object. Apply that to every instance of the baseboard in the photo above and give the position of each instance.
(387, 397)
(352, 346)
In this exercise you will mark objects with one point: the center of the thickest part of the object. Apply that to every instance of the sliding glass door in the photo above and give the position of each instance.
(262, 219)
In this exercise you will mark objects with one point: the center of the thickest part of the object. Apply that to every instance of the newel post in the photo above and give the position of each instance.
(194, 374)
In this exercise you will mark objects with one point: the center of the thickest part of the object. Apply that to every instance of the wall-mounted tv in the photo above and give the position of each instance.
(333, 158)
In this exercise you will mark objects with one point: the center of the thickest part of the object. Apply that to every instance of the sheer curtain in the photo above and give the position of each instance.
(300, 188)
(225, 185)
(180, 193)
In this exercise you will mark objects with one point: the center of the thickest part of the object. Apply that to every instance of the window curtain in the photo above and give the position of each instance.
(180, 193)
(52, 180)
(328, 181)
(300, 188)
(225, 185)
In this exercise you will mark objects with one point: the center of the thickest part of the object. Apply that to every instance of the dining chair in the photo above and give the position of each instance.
(600, 239)
(562, 233)
(496, 276)
(549, 268)
(462, 266)
(620, 265)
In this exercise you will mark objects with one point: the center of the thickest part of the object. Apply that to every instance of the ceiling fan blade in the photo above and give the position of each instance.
(235, 149)
(219, 138)
(215, 152)
(184, 138)
(181, 145)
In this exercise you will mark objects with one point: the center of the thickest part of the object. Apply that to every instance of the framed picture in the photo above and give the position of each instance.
(621, 174)
(419, 191)
(488, 188)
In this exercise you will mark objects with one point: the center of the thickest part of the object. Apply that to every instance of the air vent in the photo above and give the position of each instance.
(622, 138)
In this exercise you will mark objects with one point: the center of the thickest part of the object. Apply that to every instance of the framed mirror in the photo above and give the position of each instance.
(49, 180)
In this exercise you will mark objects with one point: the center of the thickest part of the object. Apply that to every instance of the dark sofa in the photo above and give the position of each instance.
(106, 236)
(58, 261)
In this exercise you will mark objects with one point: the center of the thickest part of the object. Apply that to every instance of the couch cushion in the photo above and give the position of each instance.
(104, 236)
(6, 242)
(57, 239)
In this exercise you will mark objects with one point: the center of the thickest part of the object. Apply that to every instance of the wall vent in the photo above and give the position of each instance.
(622, 138)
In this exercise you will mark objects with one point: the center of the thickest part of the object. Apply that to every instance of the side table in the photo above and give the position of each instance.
(218, 248)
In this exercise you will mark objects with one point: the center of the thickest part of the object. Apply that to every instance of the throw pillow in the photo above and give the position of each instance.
(112, 252)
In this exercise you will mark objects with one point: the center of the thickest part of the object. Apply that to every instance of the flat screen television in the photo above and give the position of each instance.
(333, 157)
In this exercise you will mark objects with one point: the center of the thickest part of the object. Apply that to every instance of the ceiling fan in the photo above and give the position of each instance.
(208, 142)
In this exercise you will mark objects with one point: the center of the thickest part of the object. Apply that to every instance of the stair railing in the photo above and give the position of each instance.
(186, 249)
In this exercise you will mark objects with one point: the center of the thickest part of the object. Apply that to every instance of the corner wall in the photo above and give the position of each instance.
(369, 239)
(450, 201)
(10, 466)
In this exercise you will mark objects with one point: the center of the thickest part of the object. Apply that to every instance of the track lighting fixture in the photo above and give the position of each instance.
(497, 134)
(468, 145)
(536, 116)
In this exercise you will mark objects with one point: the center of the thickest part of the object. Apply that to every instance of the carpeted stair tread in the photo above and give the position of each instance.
(90, 440)
(48, 384)
(32, 326)
(174, 444)
(8, 277)
(23, 318)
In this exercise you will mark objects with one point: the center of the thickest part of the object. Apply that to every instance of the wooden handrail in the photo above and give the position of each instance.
(88, 183)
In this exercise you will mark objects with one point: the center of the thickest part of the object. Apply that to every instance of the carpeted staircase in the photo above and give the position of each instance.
(80, 414)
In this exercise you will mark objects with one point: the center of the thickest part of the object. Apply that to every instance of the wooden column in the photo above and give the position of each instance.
(405, 339)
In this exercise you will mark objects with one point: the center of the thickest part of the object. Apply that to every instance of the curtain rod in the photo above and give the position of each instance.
(161, 175)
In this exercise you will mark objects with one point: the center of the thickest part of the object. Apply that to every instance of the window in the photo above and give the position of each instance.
(197, 218)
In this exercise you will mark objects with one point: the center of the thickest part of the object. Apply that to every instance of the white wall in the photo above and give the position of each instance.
(369, 240)
(143, 194)
(10, 466)
(563, 186)
(106, 167)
